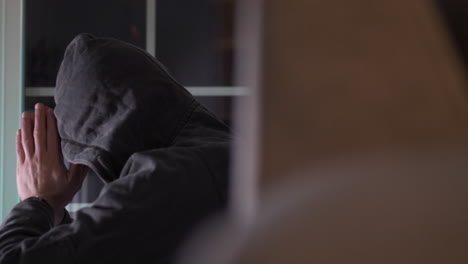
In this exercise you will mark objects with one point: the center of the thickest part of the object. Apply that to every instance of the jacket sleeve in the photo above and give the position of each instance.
(27, 221)
(146, 213)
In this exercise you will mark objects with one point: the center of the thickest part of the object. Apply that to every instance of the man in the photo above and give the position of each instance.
(163, 156)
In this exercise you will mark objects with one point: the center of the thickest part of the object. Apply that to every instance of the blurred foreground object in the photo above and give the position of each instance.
(345, 77)
(363, 124)
(392, 208)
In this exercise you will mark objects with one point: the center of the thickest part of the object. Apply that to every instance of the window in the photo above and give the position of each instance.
(194, 39)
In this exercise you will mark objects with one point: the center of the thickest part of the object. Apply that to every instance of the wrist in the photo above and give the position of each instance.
(58, 212)
(58, 216)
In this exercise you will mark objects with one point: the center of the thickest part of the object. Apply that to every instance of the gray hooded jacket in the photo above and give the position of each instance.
(164, 158)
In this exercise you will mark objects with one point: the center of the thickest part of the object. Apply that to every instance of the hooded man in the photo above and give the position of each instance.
(164, 158)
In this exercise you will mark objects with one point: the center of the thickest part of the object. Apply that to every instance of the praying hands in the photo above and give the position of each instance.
(40, 170)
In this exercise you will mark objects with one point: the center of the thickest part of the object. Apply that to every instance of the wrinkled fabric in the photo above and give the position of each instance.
(164, 158)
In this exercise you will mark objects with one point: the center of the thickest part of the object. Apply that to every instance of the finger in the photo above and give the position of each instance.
(52, 135)
(40, 128)
(19, 148)
(26, 134)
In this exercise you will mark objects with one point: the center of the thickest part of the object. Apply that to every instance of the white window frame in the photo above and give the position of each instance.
(11, 97)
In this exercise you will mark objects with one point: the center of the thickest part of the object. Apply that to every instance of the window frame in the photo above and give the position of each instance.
(11, 97)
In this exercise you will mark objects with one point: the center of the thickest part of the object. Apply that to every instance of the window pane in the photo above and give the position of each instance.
(50, 25)
(195, 40)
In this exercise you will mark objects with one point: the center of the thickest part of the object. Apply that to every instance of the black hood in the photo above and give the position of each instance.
(113, 99)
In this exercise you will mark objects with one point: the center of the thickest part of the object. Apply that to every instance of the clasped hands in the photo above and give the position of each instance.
(40, 170)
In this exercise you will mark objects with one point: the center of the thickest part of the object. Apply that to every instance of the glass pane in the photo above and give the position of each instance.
(195, 40)
(50, 25)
